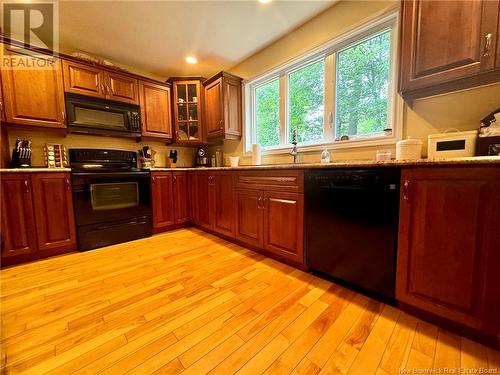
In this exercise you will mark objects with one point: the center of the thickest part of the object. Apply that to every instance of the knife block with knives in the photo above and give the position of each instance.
(21, 154)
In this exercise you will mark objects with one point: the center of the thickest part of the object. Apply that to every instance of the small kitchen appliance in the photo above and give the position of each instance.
(102, 117)
(201, 157)
(451, 144)
(488, 141)
(409, 149)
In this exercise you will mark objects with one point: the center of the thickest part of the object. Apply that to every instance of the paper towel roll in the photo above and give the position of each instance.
(256, 154)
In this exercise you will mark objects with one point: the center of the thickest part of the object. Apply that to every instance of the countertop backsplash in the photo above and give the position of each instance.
(186, 155)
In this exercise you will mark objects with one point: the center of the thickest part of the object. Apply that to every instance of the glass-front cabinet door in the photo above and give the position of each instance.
(187, 111)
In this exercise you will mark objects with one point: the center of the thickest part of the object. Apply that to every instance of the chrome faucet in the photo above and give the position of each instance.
(294, 151)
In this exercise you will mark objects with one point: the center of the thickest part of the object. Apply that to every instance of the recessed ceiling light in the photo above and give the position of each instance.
(191, 60)
(264, 1)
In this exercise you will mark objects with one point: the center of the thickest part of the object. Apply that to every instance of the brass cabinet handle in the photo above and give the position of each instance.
(406, 190)
(26, 186)
(220, 124)
(260, 203)
(108, 86)
(63, 114)
(487, 45)
(68, 185)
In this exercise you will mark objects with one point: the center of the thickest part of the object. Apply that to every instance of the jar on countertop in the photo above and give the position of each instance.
(409, 149)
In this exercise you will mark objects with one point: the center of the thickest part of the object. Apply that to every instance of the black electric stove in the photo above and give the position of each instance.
(111, 196)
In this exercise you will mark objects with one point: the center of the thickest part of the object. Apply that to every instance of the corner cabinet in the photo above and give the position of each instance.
(448, 258)
(155, 110)
(34, 96)
(223, 106)
(37, 216)
(447, 46)
(187, 111)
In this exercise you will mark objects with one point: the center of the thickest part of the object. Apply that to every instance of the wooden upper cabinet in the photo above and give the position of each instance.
(155, 110)
(163, 200)
(53, 207)
(232, 107)
(94, 81)
(284, 224)
(2, 106)
(223, 112)
(83, 79)
(35, 96)
(122, 88)
(448, 258)
(188, 118)
(180, 181)
(214, 109)
(18, 222)
(497, 57)
(445, 41)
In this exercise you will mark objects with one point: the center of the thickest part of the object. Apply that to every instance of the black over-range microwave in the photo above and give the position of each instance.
(102, 117)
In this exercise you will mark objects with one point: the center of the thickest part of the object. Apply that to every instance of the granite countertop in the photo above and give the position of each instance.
(477, 160)
(34, 169)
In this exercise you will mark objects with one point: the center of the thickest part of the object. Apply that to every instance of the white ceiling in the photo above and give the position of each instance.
(155, 36)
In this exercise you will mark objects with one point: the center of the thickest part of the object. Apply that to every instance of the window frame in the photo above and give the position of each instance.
(328, 51)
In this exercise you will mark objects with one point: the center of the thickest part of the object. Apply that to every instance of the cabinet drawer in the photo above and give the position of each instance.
(281, 180)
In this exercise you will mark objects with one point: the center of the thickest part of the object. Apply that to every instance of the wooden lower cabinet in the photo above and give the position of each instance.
(222, 191)
(18, 218)
(180, 197)
(192, 187)
(270, 219)
(169, 195)
(203, 193)
(284, 224)
(448, 250)
(53, 207)
(250, 217)
(215, 202)
(37, 216)
(162, 193)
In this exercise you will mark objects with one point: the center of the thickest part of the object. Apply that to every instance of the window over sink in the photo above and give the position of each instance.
(341, 95)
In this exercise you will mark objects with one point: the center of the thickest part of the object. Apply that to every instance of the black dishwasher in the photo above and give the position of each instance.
(351, 218)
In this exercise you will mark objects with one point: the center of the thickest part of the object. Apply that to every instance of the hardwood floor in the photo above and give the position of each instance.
(188, 302)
